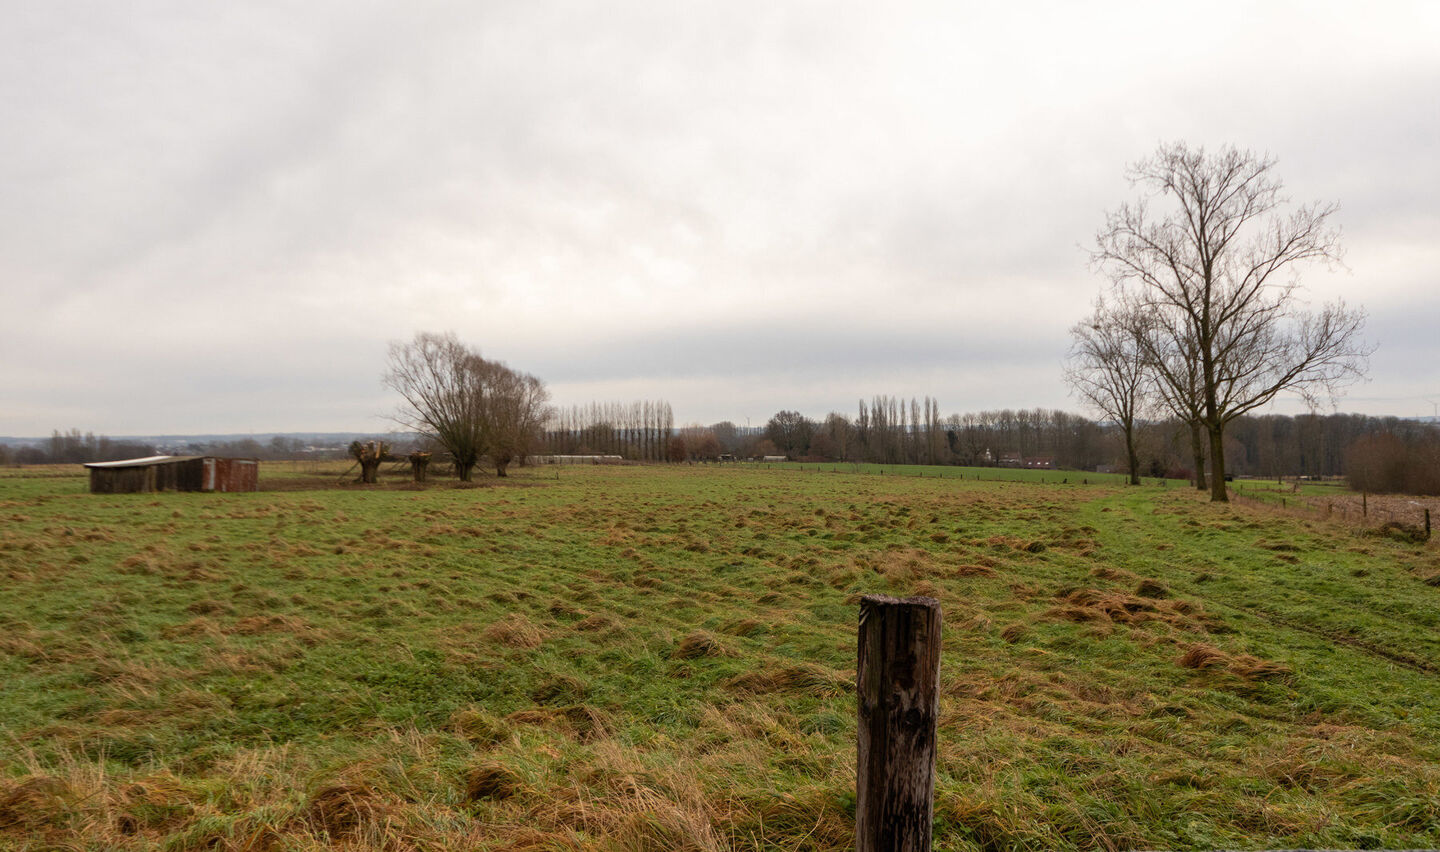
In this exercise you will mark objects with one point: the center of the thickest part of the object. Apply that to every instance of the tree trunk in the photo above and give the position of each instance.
(501, 463)
(369, 470)
(1197, 449)
(1131, 456)
(1218, 494)
(418, 463)
(464, 469)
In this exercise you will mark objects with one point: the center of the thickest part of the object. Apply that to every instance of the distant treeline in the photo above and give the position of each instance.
(1380, 454)
(74, 447)
(892, 430)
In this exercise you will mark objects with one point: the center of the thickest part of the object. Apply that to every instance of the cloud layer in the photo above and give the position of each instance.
(216, 218)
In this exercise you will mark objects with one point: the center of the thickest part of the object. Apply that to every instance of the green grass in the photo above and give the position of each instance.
(662, 658)
(979, 474)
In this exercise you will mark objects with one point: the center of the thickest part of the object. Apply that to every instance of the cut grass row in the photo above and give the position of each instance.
(646, 657)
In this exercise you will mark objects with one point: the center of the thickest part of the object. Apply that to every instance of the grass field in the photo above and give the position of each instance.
(662, 658)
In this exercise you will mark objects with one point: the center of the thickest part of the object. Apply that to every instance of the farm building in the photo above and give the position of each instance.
(174, 473)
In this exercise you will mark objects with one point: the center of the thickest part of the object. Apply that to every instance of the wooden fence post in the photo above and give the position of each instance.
(897, 684)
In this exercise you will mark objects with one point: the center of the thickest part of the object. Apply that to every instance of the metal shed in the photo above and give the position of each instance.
(174, 473)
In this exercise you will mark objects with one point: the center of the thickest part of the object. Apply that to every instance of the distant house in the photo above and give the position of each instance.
(772, 458)
(1040, 463)
(174, 473)
(1011, 460)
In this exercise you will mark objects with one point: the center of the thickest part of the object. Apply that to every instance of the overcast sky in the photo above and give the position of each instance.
(215, 217)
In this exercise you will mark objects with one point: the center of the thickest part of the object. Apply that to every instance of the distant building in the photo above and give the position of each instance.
(578, 459)
(174, 473)
(1034, 462)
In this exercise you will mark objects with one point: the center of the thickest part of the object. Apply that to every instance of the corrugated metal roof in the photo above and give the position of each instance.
(148, 460)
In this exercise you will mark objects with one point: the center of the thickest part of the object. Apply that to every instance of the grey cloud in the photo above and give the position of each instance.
(752, 202)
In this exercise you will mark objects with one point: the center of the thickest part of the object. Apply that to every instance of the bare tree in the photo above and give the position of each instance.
(436, 375)
(1221, 262)
(1107, 371)
(1173, 374)
(514, 408)
(369, 454)
(468, 405)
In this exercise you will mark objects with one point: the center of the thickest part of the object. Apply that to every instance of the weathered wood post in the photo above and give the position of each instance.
(897, 684)
(1427, 524)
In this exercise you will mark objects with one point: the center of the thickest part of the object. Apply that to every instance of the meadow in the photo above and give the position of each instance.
(662, 658)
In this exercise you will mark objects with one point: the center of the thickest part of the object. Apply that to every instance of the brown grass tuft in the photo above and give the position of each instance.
(479, 726)
(33, 802)
(810, 679)
(1202, 656)
(748, 626)
(698, 644)
(347, 811)
(1243, 666)
(491, 781)
(1105, 572)
(1014, 633)
(1152, 589)
(210, 607)
(515, 631)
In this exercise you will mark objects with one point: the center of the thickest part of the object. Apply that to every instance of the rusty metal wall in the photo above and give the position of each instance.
(236, 475)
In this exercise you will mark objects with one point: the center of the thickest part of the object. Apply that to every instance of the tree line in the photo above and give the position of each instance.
(638, 430)
(1276, 445)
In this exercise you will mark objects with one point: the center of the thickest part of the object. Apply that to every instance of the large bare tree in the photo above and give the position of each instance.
(1107, 370)
(436, 375)
(468, 405)
(1215, 248)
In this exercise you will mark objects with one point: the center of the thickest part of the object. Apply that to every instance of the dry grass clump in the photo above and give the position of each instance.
(749, 626)
(515, 631)
(1106, 572)
(1152, 589)
(559, 689)
(479, 726)
(255, 625)
(578, 722)
(210, 607)
(1243, 666)
(1399, 531)
(349, 811)
(1014, 632)
(491, 781)
(33, 803)
(1095, 605)
(809, 679)
(698, 644)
